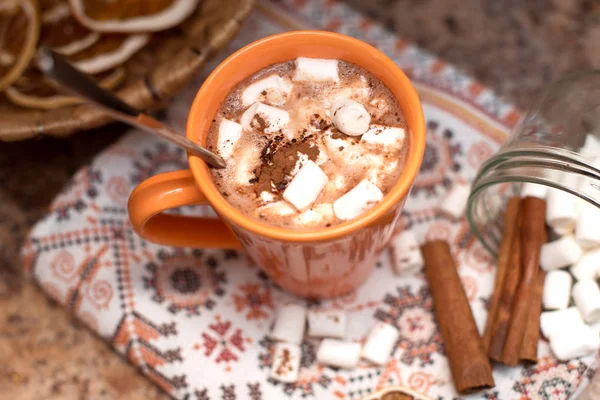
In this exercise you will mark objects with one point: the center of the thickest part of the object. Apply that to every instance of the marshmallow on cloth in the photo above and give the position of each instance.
(229, 134)
(557, 290)
(327, 323)
(455, 201)
(574, 342)
(534, 190)
(380, 343)
(587, 227)
(268, 119)
(588, 266)
(286, 362)
(350, 117)
(389, 137)
(306, 186)
(560, 253)
(272, 89)
(561, 211)
(316, 69)
(357, 200)
(338, 353)
(289, 325)
(587, 299)
(406, 254)
(554, 321)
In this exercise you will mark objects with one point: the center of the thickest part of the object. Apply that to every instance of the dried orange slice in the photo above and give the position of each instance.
(31, 90)
(61, 31)
(19, 33)
(127, 16)
(108, 52)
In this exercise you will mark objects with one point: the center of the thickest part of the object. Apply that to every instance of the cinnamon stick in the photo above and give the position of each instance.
(470, 367)
(508, 233)
(532, 234)
(529, 347)
(511, 280)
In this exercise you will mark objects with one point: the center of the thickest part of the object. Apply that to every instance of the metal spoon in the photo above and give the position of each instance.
(57, 68)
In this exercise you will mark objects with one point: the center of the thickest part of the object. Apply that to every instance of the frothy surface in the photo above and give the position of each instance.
(264, 160)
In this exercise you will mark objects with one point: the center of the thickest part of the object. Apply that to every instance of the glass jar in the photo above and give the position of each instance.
(557, 144)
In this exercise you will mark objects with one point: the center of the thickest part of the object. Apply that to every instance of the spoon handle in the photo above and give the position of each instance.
(61, 71)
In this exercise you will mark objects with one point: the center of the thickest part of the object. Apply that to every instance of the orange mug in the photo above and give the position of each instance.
(316, 263)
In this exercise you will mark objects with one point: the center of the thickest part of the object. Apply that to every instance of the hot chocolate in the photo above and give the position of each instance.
(308, 143)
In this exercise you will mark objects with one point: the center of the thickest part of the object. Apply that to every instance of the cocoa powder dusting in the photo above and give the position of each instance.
(285, 364)
(278, 162)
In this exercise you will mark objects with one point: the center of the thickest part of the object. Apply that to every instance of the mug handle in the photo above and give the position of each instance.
(169, 190)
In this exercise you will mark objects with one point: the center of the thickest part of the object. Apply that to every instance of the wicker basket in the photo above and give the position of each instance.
(154, 75)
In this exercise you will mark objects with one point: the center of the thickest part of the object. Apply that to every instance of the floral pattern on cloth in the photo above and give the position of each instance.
(196, 321)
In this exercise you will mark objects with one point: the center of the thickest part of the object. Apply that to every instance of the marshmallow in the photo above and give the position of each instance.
(272, 89)
(587, 299)
(229, 134)
(561, 210)
(560, 253)
(557, 290)
(587, 227)
(387, 136)
(289, 325)
(591, 147)
(274, 118)
(304, 189)
(380, 343)
(278, 208)
(552, 322)
(574, 342)
(406, 254)
(357, 201)
(267, 197)
(245, 163)
(588, 266)
(310, 218)
(534, 190)
(316, 69)
(350, 117)
(327, 324)
(286, 362)
(337, 353)
(325, 209)
(455, 201)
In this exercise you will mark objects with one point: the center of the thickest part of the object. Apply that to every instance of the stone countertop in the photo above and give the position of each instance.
(515, 47)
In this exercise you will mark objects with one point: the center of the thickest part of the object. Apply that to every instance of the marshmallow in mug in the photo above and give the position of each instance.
(337, 353)
(327, 324)
(380, 343)
(286, 362)
(229, 134)
(557, 290)
(406, 254)
(586, 295)
(357, 201)
(350, 117)
(272, 89)
(306, 186)
(290, 324)
(316, 69)
(560, 253)
(274, 119)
